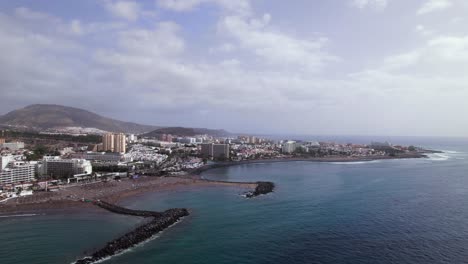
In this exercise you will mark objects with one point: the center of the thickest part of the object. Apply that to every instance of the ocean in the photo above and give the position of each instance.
(389, 211)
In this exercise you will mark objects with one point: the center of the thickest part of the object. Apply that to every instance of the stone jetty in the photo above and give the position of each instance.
(159, 222)
(262, 188)
(125, 211)
(142, 233)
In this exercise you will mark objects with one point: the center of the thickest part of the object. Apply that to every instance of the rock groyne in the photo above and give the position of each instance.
(262, 188)
(125, 211)
(142, 233)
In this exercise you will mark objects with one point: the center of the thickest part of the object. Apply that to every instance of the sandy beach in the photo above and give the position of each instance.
(70, 198)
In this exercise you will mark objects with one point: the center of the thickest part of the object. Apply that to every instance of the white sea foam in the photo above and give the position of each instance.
(18, 215)
(354, 162)
(451, 152)
(438, 157)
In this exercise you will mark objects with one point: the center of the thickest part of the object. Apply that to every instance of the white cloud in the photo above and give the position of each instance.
(440, 56)
(434, 5)
(273, 47)
(256, 70)
(76, 28)
(224, 48)
(237, 6)
(162, 41)
(40, 62)
(128, 10)
(420, 29)
(26, 13)
(377, 4)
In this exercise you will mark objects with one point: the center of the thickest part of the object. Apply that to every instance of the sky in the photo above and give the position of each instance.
(335, 67)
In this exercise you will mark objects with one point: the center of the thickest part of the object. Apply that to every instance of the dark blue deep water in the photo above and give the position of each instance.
(396, 211)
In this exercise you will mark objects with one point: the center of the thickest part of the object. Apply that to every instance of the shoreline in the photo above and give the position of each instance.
(60, 203)
(330, 159)
(68, 200)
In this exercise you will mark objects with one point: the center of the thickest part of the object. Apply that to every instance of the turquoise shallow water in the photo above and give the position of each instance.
(397, 211)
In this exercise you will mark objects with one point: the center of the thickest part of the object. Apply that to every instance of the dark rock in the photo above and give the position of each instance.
(142, 233)
(262, 188)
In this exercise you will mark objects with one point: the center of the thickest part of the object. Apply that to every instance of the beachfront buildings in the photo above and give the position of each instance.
(216, 151)
(114, 142)
(65, 168)
(16, 171)
(289, 147)
(2, 140)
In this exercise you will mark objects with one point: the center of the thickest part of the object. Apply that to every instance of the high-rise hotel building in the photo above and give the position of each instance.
(108, 142)
(114, 142)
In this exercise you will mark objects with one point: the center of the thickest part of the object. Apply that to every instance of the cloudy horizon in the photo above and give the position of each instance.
(340, 67)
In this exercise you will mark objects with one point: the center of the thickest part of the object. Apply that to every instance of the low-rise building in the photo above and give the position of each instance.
(13, 145)
(99, 156)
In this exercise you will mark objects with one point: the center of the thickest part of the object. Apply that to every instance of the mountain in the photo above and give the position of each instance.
(186, 132)
(42, 116)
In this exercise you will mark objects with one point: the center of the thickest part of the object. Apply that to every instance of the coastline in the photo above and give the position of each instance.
(329, 159)
(68, 200)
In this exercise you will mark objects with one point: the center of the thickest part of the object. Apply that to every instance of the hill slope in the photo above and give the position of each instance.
(41, 116)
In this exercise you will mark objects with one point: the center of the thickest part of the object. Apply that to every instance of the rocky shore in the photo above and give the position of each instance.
(142, 233)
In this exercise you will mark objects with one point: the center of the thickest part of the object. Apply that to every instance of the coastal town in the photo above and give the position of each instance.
(78, 164)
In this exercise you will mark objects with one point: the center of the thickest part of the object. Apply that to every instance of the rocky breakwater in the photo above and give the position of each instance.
(142, 233)
(262, 188)
(125, 211)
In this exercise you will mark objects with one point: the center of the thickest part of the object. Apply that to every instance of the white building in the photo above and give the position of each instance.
(188, 140)
(65, 168)
(132, 138)
(99, 156)
(66, 151)
(17, 171)
(13, 145)
(289, 147)
(5, 160)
